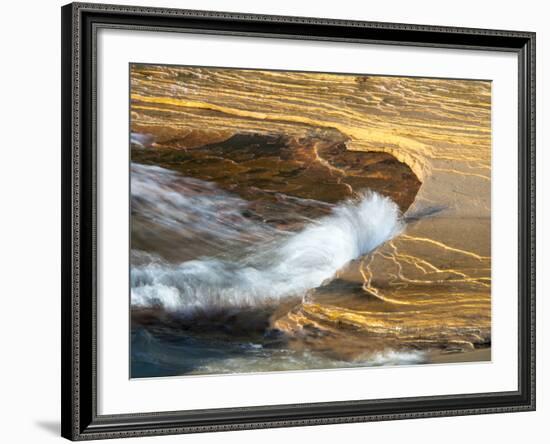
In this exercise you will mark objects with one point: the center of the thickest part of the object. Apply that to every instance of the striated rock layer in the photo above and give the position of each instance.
(269, 136)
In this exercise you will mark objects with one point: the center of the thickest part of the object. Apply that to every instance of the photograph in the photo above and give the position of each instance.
(297, 221)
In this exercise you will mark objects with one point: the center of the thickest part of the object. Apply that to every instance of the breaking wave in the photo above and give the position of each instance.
(287, 266)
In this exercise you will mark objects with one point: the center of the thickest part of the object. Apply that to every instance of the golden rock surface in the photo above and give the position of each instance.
(330, 136)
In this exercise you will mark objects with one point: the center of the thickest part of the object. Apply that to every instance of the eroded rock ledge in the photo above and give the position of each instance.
(267, 168)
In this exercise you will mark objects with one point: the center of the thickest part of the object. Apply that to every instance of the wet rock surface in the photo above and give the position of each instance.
(293, 146)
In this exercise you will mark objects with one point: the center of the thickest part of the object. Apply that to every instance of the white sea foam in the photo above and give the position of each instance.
(392, 357)
(287, 267)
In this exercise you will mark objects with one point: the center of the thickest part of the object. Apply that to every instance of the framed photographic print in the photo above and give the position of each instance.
(281, 221)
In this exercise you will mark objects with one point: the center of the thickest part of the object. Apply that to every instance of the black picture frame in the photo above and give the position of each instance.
(80, 420)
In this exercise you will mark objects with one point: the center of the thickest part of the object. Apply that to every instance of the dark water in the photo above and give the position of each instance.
(155, 354)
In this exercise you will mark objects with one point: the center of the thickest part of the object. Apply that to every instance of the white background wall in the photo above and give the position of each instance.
(30, 220)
